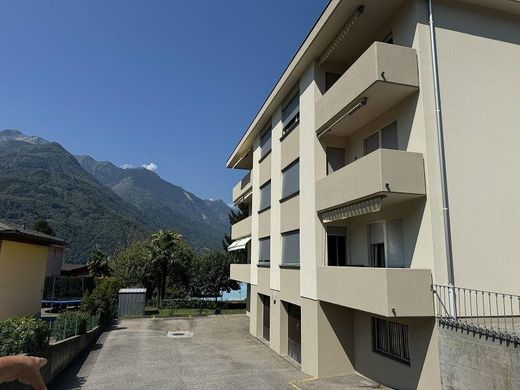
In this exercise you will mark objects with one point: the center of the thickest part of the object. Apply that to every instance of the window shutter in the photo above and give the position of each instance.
(389, 137)
(265, 250)
(291, 180)
(377, 235)
(265, 196)
(291, 247)
(395, 245)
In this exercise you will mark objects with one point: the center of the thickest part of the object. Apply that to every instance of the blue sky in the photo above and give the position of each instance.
(174, 83)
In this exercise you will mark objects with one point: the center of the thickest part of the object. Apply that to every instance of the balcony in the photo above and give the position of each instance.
(241, 229)
(242, 189)
(241, 272)
(384, 74)
(389, 292)
(395, 174)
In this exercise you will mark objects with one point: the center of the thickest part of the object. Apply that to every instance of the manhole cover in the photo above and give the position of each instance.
(180, 334)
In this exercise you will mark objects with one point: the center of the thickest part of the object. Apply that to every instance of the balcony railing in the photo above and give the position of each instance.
(382, 76)
(396, 174)
(242, 188)
(492, 314)
(389, 292)
(240, 272)
(241, 228)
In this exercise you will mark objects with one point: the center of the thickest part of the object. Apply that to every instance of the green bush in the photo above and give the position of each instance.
(103, 300)
(22, 335)
(70, 324)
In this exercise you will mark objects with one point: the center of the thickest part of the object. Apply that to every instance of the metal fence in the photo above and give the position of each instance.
(490, 313)
(57, 287)
(65, 326)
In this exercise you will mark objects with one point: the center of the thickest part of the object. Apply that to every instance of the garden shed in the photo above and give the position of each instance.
(132, 302)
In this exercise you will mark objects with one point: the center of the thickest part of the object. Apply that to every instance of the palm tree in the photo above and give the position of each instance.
(98, 264)
(163, 248)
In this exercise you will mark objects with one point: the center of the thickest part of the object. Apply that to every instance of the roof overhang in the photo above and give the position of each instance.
(18, 236)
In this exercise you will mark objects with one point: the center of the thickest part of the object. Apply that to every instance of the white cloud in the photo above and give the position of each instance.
(151, 166)
(126, 166)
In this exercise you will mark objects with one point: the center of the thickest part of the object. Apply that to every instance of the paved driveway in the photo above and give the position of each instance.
(222, 354)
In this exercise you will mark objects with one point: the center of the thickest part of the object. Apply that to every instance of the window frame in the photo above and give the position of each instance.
(287, 168)
(268, 129)
(261, 209)
(380, 138)
(294, 118)
(386, 243)
(263, 262)
(403, 355)
(283, 262)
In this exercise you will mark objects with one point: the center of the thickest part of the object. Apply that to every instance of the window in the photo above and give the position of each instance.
(265, 196)
(264, 256)
(265, 141)
(385, 138)
(291, 113)
(336, 246)
(291, 179)
(390, 339)
(389, 38)
(335, 159)
(291, 248)
(330, 79)
(387, 244)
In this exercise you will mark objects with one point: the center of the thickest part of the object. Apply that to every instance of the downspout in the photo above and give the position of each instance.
(442, 166)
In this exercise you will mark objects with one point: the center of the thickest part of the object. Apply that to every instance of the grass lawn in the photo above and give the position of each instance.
(187, 312)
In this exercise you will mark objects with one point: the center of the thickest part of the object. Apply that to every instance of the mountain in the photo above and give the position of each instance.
(164, 204)
(43, 180)
(96, 204)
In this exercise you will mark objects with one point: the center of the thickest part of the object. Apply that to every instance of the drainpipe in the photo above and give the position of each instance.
(442, 166)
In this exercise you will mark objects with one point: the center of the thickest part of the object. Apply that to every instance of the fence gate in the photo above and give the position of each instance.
(132, 302)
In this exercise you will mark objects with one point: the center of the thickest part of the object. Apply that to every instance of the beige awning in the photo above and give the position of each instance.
(352, 210)
(239, 244)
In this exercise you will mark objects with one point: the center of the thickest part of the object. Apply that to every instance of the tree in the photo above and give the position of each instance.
(133, 267)
(210, 275)
(98, 264)
(171, 259)
(42, 226)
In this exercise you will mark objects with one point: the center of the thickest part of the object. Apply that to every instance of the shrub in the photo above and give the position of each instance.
(102, 300)
(22, 335)
(69, 324)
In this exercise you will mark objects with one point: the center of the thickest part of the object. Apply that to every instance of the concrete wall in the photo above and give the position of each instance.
(471, 361)
(479, 58)
(22, 275)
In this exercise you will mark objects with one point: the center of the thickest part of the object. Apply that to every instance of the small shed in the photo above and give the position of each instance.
(132, 302)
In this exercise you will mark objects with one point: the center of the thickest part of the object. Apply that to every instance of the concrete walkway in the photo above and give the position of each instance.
(137, 354)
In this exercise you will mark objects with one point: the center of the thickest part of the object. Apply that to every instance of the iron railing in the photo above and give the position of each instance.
(492, 314)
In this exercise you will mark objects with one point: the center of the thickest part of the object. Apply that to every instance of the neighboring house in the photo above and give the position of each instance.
(54, 260)
(74, 270)
(346, 229)
(23, 263)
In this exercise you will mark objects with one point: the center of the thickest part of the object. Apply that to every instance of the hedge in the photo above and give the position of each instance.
(22, 335)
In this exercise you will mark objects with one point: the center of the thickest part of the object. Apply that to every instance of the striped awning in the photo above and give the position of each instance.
(352, 210)
(239, 244)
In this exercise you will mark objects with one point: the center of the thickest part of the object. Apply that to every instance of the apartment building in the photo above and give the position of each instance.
(346, 197)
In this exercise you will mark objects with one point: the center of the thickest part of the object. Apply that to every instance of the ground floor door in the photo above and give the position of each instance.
(294, 333)
(266, 317)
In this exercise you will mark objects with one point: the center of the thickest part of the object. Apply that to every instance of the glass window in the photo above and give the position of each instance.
(387, 244)
(336, 246)
(390, 339)
(291, 113)
(291, 248)
(335, 159)
(265, 196)
(386, 138)
(291, 180)
(265, 250)
(265, 141)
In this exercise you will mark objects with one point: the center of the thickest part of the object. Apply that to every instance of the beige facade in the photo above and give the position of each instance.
(356, 241)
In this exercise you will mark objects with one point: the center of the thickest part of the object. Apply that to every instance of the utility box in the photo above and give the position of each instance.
(132, 302)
